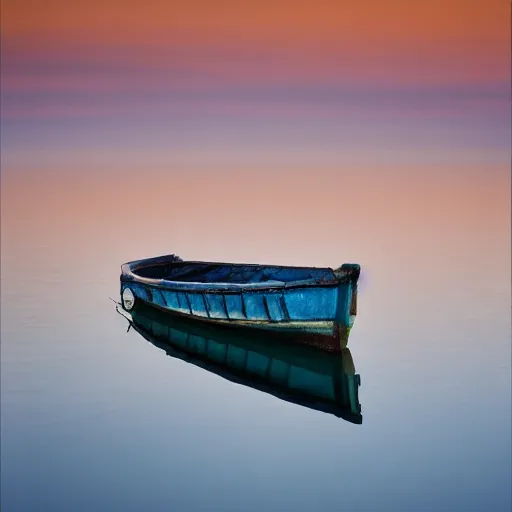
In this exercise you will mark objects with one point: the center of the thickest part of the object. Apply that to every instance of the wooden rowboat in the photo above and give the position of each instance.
(297, 374)
(319, 303)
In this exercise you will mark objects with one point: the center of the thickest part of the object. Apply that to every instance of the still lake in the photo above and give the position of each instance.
(96, 418)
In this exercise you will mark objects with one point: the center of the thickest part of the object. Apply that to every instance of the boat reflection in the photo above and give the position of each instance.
(296, 373)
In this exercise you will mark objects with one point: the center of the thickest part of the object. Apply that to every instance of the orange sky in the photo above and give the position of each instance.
(363, 21)
(457, 40)
(398, 62)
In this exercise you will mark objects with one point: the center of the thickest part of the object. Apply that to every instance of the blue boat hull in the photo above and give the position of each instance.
(322, 307)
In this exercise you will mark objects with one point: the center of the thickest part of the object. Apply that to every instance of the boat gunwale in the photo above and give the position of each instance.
(128, 275)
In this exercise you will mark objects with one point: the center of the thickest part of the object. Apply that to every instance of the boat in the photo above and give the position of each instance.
(298, 374)
(318, 304)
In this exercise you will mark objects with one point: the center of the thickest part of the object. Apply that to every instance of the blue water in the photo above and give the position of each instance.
(95, 418)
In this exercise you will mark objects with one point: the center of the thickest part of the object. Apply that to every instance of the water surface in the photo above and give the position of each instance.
(95, 418)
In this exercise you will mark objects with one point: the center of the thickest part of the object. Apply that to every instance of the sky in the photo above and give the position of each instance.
(112, 84)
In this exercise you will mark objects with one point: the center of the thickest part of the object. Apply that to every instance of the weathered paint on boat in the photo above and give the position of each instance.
(298, 374)
(319, 301)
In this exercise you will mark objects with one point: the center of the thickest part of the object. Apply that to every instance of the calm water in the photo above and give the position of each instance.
(95, 418)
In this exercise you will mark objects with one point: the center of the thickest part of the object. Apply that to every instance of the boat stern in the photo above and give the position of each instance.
(346, 306)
